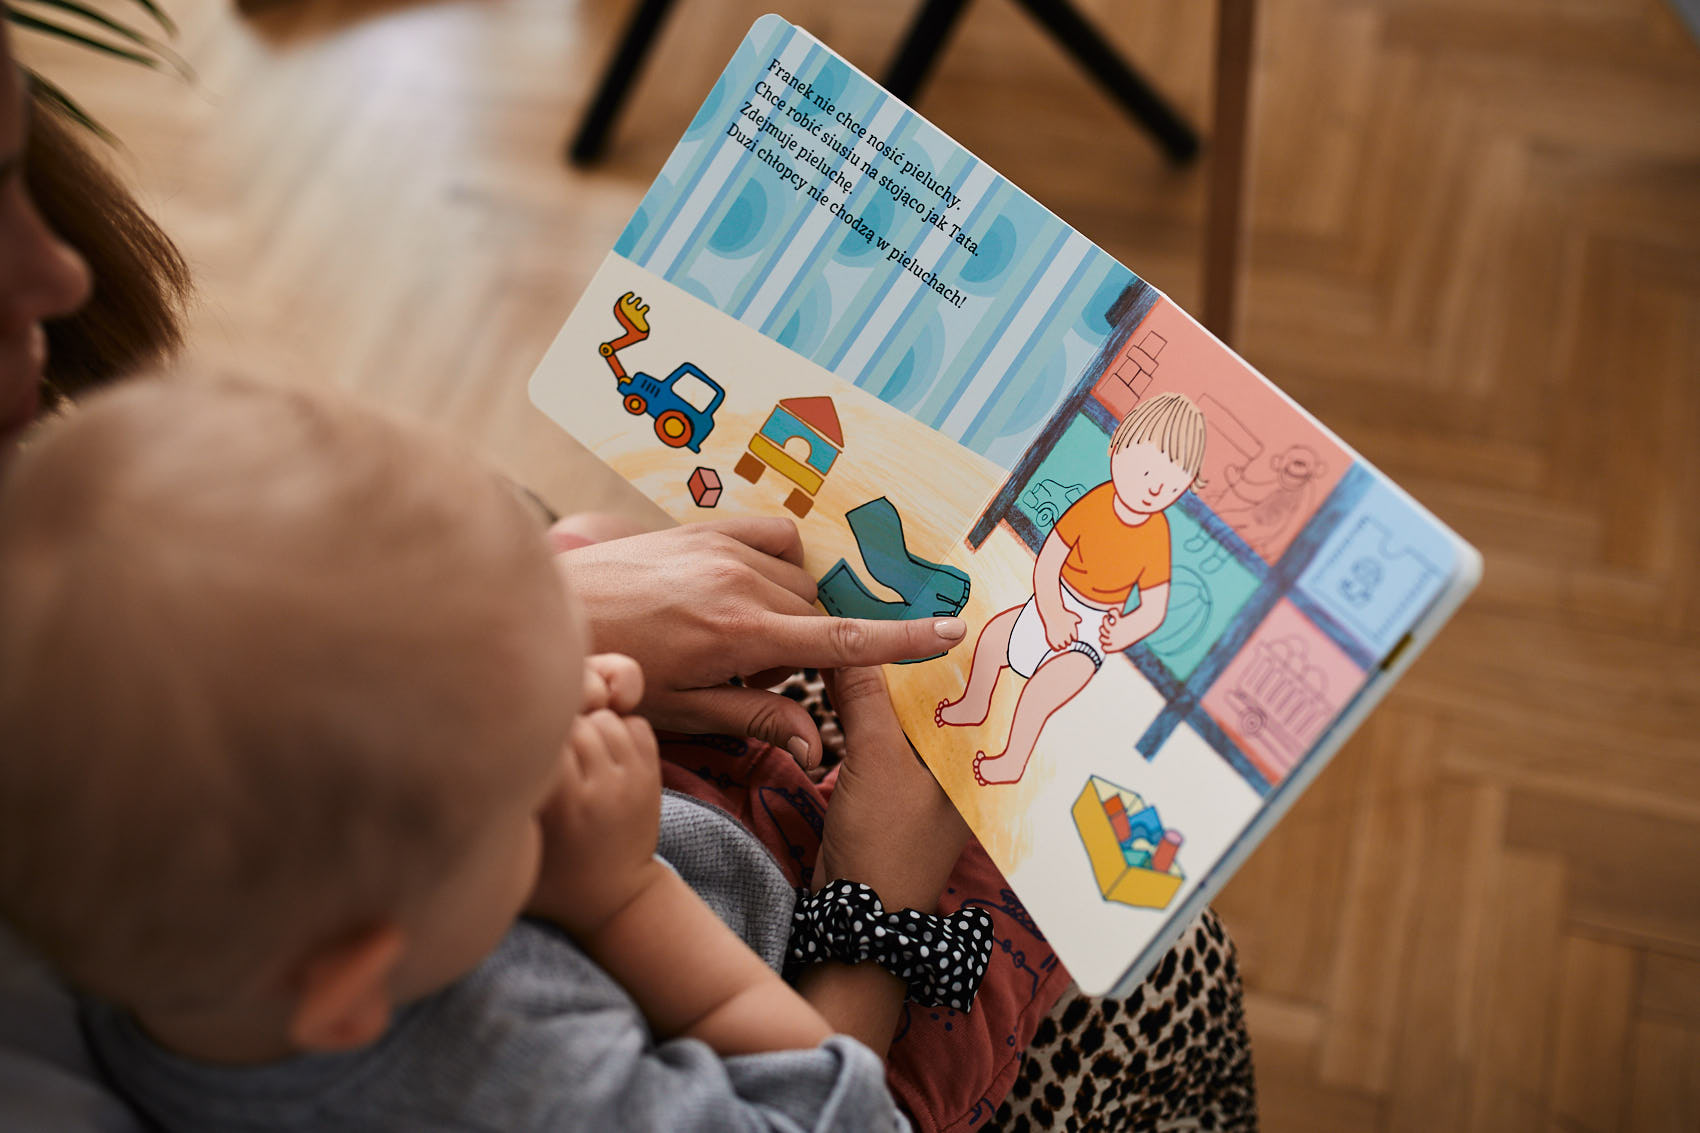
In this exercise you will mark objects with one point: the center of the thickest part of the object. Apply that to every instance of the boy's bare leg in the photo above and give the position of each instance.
(1056, 682)
(991, 657)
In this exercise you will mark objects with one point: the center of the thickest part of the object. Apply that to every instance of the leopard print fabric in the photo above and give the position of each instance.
(807, 688)
(1172, 1056)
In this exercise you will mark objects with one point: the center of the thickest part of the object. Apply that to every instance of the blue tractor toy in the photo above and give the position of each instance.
(682, 404)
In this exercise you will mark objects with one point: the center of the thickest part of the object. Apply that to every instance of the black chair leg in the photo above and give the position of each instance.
(921, 46)
(909, 70)
(1083, 41)
(586, 146)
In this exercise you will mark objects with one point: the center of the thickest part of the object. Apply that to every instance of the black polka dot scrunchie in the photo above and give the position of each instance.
(942, 959)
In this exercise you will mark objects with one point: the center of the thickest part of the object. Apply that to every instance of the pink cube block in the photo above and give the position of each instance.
(705, 487)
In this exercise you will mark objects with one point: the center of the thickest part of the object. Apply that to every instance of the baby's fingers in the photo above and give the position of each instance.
(620, 678)
(637, 747)
(592, 742)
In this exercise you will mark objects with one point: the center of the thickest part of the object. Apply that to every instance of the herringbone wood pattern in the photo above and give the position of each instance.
(1475, 252)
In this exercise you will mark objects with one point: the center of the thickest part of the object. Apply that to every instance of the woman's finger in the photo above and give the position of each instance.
(864, 704)
(754, 712)
(772, 600)
(768, 534)
(854, 687)
(770, 678)
(779, 571)
(837, 643)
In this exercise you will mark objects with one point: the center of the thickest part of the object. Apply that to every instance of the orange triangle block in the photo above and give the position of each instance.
(819, 414)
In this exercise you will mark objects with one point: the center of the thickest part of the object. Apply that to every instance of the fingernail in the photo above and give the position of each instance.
(798, 747)
(951, 629)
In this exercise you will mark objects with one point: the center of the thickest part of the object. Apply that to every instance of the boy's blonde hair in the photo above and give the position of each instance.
(1171, 422)
(257, 650)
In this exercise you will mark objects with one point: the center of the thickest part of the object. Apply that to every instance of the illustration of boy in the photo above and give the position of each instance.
(1111, 540)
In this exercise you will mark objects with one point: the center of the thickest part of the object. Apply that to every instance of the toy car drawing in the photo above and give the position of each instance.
(1048, 499)
(683, 410)
(682, 404)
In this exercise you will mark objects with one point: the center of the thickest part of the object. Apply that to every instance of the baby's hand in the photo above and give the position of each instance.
(601, 824)
(611, 680)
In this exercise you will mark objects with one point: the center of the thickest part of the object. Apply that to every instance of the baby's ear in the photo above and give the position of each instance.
(342, 991)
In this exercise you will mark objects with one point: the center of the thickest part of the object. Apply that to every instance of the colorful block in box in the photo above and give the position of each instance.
(1147, 825)
(1138, 859)
(1117, 880)
(1118, 823)
(1164, 856)
(705, 487)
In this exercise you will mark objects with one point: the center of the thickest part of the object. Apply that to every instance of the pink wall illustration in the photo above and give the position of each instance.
(1282, 690)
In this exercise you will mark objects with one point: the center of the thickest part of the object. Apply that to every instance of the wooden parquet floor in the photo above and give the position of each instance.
(1474, 251)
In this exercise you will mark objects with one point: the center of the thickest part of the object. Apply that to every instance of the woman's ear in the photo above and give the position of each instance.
(342, 991)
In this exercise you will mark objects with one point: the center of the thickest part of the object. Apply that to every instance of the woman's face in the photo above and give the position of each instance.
(40, 276)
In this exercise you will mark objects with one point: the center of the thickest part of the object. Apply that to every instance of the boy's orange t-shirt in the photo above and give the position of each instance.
(1107, 558)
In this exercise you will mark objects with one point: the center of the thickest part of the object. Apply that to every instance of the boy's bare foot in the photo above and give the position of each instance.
(997, 770)
(953, 712)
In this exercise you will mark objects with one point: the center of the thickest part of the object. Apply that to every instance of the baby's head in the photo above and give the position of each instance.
(1157, 452)
(285, 686)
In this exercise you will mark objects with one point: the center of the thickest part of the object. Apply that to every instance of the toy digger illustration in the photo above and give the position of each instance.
(682, 404)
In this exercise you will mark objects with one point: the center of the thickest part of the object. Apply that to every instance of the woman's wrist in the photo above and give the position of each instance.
(908, 872)
(909, 882)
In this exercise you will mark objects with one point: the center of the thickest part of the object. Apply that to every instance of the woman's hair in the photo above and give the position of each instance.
(134, 316)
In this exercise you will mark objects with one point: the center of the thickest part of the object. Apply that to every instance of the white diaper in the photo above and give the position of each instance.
(1028, 647)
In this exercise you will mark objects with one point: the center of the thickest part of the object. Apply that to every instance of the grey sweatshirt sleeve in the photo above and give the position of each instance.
(612, 1076)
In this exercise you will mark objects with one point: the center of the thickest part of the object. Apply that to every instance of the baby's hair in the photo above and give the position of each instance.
(254, 641)
(1171, 422)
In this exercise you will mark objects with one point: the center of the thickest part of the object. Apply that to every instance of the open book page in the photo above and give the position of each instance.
(1181, 589)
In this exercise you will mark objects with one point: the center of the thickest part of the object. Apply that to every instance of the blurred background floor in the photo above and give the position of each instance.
(1474, 252)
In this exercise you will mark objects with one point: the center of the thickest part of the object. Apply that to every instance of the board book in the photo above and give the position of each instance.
(1182, 591)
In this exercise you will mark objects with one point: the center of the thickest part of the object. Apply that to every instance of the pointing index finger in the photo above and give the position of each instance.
(832, 643)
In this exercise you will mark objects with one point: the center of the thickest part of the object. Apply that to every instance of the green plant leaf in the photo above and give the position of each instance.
(154, 11)
(25, 20)
(94, 17)
(46, 17)
(158, 13)
(160, 51)
(51, 93)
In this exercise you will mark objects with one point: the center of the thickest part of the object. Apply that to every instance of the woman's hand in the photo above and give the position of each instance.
(700, 604)
(888, 824)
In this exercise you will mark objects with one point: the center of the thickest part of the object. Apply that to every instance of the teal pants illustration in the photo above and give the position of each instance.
(927, 589)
